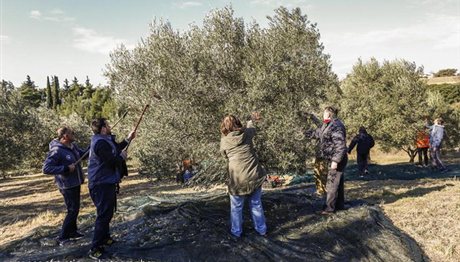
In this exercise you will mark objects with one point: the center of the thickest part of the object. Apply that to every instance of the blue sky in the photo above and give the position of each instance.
(74, 38)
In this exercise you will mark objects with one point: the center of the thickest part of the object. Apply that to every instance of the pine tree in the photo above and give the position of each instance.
(49, 98)
(75, 87)
(88, 91)
(66, 85)
(29, 93)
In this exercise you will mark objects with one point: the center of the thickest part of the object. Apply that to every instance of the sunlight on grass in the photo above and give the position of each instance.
(432, 220)
(18, 229)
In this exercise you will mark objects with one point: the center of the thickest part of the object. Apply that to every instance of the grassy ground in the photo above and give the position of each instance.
(422, 203)
(33, 201)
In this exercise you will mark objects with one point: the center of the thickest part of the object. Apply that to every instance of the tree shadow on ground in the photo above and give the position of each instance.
(400, 171)
(198, 230)
(387, 196)
(16, 213)
(391, 182)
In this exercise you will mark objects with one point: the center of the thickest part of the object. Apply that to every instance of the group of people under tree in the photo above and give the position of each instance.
(106, 167)
(363, 140)
(246, 174)
(429, 139)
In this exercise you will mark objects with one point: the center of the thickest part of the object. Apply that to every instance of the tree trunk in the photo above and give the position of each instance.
(412, 154)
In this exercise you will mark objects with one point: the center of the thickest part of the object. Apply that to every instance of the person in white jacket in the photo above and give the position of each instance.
(436, 136)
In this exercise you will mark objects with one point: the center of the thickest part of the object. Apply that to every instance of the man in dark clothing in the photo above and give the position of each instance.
(365, 142)
(332, 135)
(104, 173)
(68, 177)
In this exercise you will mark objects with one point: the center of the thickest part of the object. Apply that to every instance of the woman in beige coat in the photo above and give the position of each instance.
(246, 175)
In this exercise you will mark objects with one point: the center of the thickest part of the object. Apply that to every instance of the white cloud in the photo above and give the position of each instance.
(188, 4)
(55, 15)
(435, 4)
(89, 40)
(440, 30)
(452, 41)
(430, 42)
(35, 14)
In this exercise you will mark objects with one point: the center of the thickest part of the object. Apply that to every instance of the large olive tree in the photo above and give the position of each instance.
(192, 79)
(389, 99)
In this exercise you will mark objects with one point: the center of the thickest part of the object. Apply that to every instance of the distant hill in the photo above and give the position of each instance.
(443, 80)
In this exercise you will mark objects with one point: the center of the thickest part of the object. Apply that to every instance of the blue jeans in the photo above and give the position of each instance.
(257, 212)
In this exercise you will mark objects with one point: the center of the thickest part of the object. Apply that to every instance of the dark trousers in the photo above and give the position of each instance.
(104, 198)
(423, 151)
(362, 163)
(335, 198)
(72, 203)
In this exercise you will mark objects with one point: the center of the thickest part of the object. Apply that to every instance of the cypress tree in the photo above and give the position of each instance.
(56, 99)
(49, 98)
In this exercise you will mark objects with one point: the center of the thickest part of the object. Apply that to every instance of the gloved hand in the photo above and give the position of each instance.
(255, 116)
(131, 135)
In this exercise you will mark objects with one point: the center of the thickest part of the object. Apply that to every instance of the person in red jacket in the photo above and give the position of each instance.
(423, 143)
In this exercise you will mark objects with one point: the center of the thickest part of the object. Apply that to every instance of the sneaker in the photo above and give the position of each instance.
(63, 241)
(75, 236)
(234, 238)
(109, 242)
(96, 253)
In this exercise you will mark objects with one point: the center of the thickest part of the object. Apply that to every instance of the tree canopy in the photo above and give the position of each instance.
(192, 79)
(392, 100)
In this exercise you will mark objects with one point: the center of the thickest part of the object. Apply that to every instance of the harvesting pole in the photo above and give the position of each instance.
(137, 124)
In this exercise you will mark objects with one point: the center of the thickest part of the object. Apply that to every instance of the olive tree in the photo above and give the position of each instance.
(192, 79)
(389, 99)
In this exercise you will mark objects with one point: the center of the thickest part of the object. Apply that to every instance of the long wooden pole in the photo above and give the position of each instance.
(137, 124)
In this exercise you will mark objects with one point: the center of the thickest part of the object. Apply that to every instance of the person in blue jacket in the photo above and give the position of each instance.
(106, 158)
(60, 162)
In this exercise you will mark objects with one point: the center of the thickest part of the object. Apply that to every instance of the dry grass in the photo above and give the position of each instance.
(432, 220)
(427, 209)
(28, 203)
(380, 157)
(443, 80)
